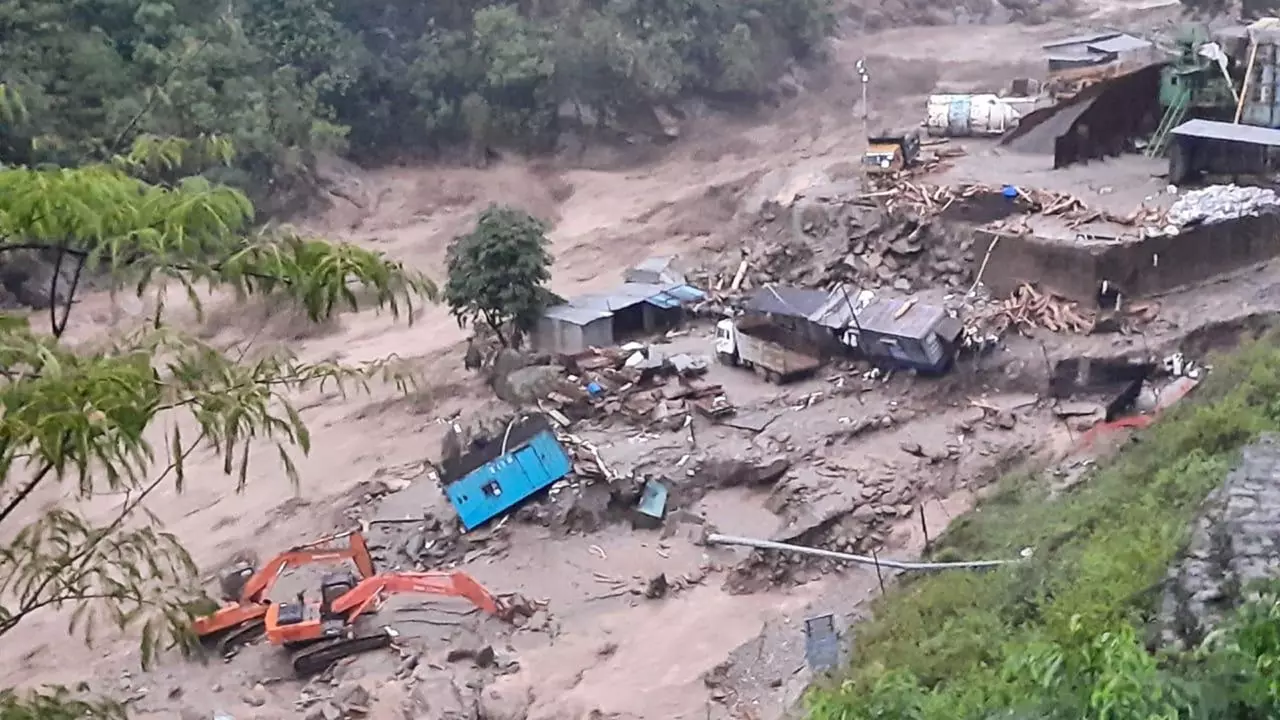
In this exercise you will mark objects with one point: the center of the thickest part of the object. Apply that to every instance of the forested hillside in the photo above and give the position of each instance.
(284, 79)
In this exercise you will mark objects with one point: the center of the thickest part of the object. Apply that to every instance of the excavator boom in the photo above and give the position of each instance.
(371, 591)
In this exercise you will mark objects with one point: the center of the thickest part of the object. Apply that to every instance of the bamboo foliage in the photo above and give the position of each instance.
(115, 423)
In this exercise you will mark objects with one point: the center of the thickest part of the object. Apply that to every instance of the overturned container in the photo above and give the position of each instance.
(972, 115)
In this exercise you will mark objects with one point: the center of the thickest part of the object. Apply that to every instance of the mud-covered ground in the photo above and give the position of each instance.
(860, 458)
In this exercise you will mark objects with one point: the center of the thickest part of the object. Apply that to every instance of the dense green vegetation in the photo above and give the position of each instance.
(1062, 635)
(284, 79)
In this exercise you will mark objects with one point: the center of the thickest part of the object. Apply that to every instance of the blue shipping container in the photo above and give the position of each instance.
(498, 485)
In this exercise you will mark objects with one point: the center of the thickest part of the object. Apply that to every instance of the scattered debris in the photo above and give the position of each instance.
(643, 385)
(657, 587)
(821, 643)
(652, 508)
(1217, 203)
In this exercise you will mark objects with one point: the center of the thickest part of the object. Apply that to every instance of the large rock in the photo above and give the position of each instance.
(752, 472)
(439, 698)
(1233, 544)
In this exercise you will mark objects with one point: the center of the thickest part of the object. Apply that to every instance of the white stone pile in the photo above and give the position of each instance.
(1221, 202)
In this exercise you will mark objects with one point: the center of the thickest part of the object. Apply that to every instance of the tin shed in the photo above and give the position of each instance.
(569, 329)
(605, 319)
(905, 333)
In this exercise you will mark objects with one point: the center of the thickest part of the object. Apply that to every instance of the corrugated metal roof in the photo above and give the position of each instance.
(1119, 44)
(829, 308)
(574, 315)
(664, 301)
(789, 301)
(1213, 130)
(915, 323)
(598, 305)
(837, 312)
(1079, 40)
(687, 293)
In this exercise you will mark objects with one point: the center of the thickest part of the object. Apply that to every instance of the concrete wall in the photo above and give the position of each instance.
(1141, 268)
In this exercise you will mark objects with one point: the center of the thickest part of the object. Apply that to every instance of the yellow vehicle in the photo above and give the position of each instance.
(889, 153)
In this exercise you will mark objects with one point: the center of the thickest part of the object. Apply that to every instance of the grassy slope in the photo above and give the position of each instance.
(1100, 553)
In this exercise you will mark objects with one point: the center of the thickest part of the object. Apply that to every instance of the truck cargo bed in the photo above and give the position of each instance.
(779, 354)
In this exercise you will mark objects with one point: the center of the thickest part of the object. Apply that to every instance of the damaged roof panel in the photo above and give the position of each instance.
(1213, 130)
(917, 322)
(789, 301)
(574, 315)
(627, 295)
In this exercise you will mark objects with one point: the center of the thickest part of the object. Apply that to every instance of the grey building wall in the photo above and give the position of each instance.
(559, 336)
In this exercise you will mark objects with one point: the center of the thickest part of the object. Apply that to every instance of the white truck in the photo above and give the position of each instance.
(757, 344)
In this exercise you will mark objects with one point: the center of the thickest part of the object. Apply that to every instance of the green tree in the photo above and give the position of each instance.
(285, 80)
(125, 417)
(497, 273)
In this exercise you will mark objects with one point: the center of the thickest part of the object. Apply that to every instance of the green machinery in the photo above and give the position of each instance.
(1191, 86)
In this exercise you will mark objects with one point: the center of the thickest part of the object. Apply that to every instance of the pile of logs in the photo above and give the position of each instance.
(1028, 308)
(928, 200)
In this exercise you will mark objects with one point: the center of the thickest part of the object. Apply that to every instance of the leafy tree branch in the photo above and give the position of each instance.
(97, 419)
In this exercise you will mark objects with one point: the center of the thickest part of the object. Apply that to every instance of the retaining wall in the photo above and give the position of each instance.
(1140, 268)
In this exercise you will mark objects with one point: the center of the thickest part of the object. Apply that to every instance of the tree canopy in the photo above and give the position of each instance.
(498, 271)
(124, 416)
(285, 79)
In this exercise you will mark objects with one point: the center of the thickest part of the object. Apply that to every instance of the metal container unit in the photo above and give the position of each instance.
(1262, 96)
(493, 488)
(903, 334)
(971, 115)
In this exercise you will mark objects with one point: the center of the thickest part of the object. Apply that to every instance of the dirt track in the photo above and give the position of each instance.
(623, 656)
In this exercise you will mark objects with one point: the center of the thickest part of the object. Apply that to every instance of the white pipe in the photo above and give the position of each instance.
(716, 539)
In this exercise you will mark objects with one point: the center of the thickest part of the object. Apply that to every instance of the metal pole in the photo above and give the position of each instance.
(853, 315)
(924, 526)
(717, 539)
(1248, 76)
(861, 67)
(879, 575)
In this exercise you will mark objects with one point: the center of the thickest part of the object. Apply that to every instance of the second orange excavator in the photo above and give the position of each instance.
(245, 588)
(320, 633)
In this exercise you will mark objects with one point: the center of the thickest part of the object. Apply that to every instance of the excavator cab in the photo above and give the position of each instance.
(233, 581)
(333, 586)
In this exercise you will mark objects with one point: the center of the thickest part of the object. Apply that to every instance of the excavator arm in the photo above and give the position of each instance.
(256, 588)
(370, 593)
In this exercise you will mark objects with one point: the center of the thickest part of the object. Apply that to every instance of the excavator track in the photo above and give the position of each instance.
(238, 637)
(317, 658)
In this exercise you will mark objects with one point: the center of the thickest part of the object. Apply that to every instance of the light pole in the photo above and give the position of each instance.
(861, 66)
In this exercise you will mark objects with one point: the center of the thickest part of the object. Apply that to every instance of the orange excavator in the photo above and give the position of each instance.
(245, 588)
(321, 633)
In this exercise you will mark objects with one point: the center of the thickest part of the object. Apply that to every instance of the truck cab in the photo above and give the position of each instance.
(726, 342)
